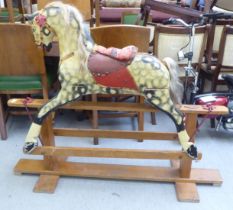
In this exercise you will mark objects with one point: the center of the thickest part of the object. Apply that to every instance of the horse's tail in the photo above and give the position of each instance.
(176, 87)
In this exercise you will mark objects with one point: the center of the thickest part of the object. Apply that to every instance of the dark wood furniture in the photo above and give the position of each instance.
(186, 13)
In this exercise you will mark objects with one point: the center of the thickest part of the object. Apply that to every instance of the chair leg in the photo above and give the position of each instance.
(141, 118)
(212, 123)
(202, 83)
(2, 122)
(95, 119)
(153, 118)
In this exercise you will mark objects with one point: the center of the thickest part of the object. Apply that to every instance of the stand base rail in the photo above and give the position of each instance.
(185, 187)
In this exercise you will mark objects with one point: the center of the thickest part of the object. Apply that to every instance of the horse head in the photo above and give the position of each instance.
(42, 31)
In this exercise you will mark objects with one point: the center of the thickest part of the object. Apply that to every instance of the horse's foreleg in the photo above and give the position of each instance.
(31, 141)
(161, 100)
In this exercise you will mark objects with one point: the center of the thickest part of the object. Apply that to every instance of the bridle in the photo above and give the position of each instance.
(46, 29)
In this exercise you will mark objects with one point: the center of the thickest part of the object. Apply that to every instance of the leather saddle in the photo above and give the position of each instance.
(109, 66)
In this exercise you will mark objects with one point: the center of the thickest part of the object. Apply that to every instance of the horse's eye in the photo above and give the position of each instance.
(45, 31)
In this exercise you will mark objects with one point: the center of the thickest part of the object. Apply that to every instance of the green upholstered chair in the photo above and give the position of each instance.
(131, 18)
(136, 18)
(22, 67)
(4, 15)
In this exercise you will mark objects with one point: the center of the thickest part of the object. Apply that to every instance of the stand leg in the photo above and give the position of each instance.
(48, 183)
(2, 122)
(141, 118)
(153, 118)
(187, 192)
(95, 119)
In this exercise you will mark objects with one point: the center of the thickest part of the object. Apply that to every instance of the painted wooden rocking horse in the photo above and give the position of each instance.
(86, 68)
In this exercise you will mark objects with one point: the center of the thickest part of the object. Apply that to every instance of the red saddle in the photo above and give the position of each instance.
(109, 67)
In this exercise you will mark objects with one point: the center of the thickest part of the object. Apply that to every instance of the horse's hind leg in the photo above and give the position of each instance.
(63, 97)
(161, 99)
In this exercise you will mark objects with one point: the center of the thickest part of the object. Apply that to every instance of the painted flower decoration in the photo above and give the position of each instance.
(40, 20)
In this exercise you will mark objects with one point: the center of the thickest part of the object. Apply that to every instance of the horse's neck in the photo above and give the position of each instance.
(67, 44)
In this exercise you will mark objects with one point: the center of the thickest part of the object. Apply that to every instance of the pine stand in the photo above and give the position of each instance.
(54, 163)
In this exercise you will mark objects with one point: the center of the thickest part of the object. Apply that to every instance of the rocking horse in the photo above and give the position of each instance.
(86, 68)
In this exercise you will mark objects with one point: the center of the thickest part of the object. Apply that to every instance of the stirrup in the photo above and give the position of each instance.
(192, 152)
(29, 147)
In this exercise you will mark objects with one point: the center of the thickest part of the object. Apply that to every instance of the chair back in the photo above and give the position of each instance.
(19, 54)
(218, 32)
(226, 48)
(224, 4)
(169, 40)
(224, 59)
(84, 6)
(120, 36)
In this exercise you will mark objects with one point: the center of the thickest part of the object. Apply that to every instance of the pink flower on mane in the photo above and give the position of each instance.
(40, 20)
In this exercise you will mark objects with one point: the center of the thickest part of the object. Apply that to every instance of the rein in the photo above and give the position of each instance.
(67, 57)
(27, 101)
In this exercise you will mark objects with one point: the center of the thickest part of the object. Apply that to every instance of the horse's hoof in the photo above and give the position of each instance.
(29, 147)
(192, 152)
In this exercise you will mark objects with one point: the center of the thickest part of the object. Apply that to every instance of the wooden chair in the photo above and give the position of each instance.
(224, 61)
(22, 69)
(213, 46)
(106, 14)
(84, 6)
(223, 4)
(169, 40)
(13, 12)
(120, 36)
(136, 18)
(4, 15)
(218, 33)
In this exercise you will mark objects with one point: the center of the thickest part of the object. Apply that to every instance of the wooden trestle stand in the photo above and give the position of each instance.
(54, 163)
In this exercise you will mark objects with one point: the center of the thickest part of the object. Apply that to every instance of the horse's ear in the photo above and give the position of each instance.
(30, 17)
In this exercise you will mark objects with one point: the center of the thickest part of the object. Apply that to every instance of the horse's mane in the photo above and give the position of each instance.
(84, 43)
